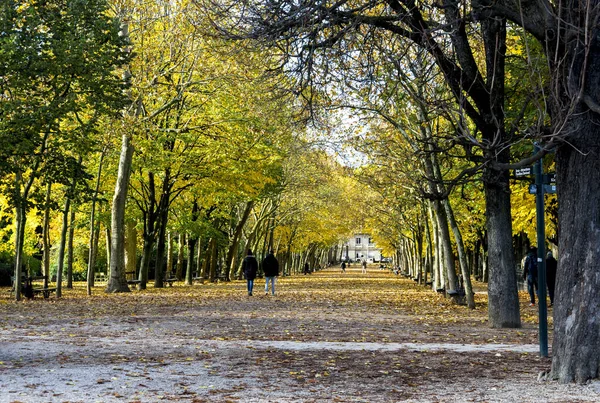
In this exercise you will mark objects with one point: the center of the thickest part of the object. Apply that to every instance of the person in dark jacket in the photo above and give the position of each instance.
(306, 268)
(250, 268)
(271, 268)
(530, 273)
(551, 265)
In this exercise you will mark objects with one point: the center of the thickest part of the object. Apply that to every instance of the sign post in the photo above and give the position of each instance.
(541, 253)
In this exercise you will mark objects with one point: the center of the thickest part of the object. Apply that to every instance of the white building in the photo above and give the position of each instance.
(361, 247)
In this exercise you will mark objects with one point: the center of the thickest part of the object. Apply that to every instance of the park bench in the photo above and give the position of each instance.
(30, 283)
(100, 276)
(170, 279)
(131, 278)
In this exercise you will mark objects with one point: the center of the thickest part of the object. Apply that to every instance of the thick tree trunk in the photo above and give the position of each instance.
(503, 299)
(117, 281)
(576, 346)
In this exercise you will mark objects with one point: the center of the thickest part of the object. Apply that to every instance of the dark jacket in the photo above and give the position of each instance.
(551, 265)
(270, 266)
(530, 267)
(250, 267)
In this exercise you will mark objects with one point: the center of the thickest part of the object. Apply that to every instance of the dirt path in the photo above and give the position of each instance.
(324, 337)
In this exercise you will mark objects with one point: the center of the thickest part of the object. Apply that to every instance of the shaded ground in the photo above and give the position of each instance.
(324, 337)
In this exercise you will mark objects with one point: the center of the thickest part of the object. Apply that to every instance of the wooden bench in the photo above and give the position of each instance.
(100, 276)
(131, 278)
(44, 289)
(170, 281)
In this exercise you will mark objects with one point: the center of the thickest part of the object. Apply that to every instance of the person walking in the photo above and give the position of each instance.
(364, 266)
(250, 268)
(271, 268)
(530, 273)
(343, 267)
(551, 265)
(306, 269)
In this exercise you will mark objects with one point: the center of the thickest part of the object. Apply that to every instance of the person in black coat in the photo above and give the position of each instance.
(250, 268)
(530, 273)
(551, 265)
(271, 268)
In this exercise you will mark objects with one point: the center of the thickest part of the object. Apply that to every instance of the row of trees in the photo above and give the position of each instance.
(193, 140)
(185, 131)
(486, 78)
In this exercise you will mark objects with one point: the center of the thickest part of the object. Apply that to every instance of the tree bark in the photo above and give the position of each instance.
(130, 247)
(70, 249)
(117, 281)
(503, 299)
(462, 255)
(61, 248)
(91, 270)
(180, 256)
(576, 346)
(46, 236)
(235, 240)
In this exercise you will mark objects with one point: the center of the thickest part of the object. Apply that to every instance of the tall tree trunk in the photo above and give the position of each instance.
(150, 221)
(70, 250)
(233, 245)
(213, 260)
(169, 255)
(163, 218)
(445, 243)
(61, 249)
(107, 232)
(462, 256)
(117, 281)
(21, 215)
(93, 243)
(190, 261)
(46, 236)
(180, 256)
(130, 247)
(503, 299)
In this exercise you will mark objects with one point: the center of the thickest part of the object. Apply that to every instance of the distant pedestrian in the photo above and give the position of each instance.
(551, 265)
(250, 268)
(530, 273)
(364, 267)
(271, 268)
(343, 266)
(306, 268)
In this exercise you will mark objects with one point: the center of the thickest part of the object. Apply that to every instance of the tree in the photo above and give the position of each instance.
(57, 60)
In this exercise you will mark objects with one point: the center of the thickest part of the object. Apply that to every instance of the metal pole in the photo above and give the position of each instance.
(541, 254)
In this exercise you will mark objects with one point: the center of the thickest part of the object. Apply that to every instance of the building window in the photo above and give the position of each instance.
(370, 241)
(358, 241)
